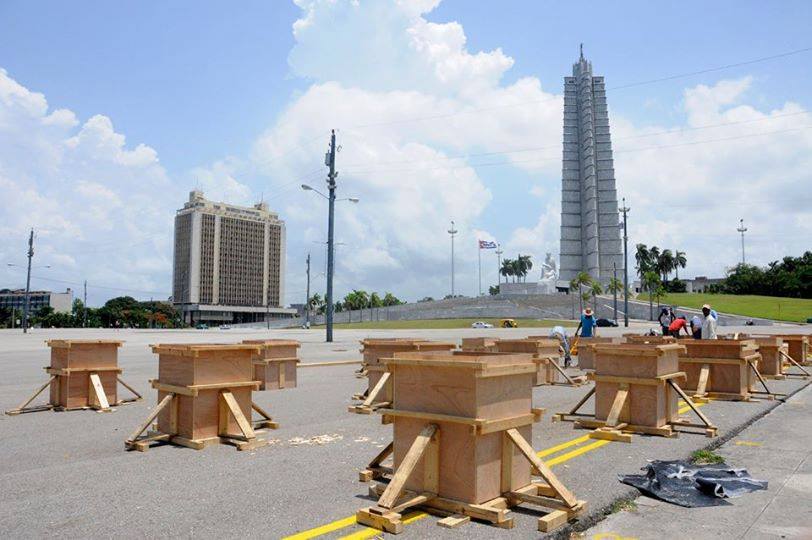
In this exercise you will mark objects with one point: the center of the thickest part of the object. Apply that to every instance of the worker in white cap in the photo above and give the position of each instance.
(708, 322)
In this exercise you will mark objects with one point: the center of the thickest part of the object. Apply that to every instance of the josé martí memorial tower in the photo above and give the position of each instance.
(590, 237)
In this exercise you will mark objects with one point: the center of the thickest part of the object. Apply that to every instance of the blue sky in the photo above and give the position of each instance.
(236, 102)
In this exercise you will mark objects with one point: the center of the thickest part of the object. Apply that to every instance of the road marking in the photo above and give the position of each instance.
(369, 532)
(747, 443)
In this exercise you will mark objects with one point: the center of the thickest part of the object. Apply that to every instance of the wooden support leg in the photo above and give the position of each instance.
(760, 378)
(22, 407)
(701, 388)
(543, 470)
(97, 399)
(610, 430)
(617, 405)
(577, 406)
(132, 439)
(137, 397)
(711, 429)
(794, 363)
(406, 468)
(229, 405)
(267, 421)
(563, 373)
(374, 469)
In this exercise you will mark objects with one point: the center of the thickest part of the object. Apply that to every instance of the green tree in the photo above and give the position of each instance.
(507, 269)
(493, 290)
(595, 289)
(665, 264)
(680, 261)
(375, 300)
(580, 280)
(650, 282)
(615, 286)
(390, 299)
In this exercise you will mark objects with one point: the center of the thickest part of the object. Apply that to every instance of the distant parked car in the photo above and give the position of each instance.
(508, 323)
(481, 324)
(225, 327)
(604, 323)
(202, 326)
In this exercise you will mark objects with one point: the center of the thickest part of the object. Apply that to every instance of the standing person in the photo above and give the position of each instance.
(558, 332)
(708, 323)
(680, 323)
(665, 320)
(696, 327)
(587, 324)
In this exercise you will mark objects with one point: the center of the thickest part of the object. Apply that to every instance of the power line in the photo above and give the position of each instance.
(558, 146)
(620, 87)
(101, 286)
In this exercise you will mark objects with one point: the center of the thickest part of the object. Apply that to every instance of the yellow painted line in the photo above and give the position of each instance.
(324, 529)
(369, 532)
(575, 453)
(562, 446)
(747, 443)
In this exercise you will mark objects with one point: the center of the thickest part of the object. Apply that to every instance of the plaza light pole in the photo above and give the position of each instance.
(452, 231)
(499, 264)
(27, 300)
(742, 229)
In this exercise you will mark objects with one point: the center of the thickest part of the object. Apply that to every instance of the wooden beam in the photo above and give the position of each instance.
(543, 470)
(702, 386)
(233, 407)
(19, 409)
(793, 362)
(583, 400)
(131, 389)
(506, 475)
(760, 378)
(617, 405)
(407, 466)
(377, 389)
(96, 395)
(690, 403)
(154, 414)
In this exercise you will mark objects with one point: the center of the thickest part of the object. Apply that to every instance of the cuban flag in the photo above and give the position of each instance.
(485, 244)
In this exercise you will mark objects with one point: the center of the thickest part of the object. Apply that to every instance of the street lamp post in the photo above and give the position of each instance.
(742, 229)
(28, 282)
(330, 161)
(499, 264)
(452, 231)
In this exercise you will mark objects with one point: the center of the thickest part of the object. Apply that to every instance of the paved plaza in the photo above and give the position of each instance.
(68, 474)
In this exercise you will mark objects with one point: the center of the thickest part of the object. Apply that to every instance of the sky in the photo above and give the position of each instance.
(111, 112)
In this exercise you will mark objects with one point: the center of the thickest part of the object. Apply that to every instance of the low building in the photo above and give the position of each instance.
(15, 299)
(700, 284)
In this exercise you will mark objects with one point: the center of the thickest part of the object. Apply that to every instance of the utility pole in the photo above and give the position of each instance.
(28, 282)
(330, 161)
(452, 231)
(84, 307)
(742, 229)
(479, 261)
(625, 209)
(499, 264)
(307, 302)
(614, 288)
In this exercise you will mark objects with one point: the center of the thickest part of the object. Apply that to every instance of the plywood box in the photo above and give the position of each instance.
(276, 362)
(647, 404)
(771, 362)
(198, 375)
(546, 354)
(728, 366)
(480, 344)
(798, 346)
(586, 352)
(74, 361)
(637, 338)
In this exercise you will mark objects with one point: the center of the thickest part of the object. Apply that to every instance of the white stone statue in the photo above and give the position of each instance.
(549, 275)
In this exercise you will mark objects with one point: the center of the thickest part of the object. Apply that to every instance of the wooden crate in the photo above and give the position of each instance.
(586, 352)
(375, 351)
(638, 338)
(772, 361)
(722, 369)
(276, 362)
(84, 374)
(204, 396)
(461, 423)
(636, 391)
(480, 344)
(798, 345)
(546, 354)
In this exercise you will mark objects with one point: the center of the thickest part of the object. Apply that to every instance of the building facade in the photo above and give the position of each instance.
(229, 262)
(15, 299)
(590, 236)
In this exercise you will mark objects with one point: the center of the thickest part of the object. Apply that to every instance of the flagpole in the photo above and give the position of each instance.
(479, 256)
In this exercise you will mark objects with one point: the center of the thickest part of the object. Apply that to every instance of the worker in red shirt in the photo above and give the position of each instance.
(680, 323)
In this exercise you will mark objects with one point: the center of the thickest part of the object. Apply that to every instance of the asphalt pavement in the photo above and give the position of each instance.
(68, 474)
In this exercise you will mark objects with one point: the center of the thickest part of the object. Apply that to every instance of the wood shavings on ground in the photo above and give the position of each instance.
(316, 439)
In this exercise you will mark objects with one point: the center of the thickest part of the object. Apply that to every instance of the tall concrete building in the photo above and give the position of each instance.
(590, 236)
(229, 263)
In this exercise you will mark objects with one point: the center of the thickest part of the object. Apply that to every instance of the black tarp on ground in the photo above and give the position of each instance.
(692, 486)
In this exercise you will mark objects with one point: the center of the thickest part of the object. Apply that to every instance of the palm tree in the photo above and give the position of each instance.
(581, 279)
(680, 261)
(665, 263)
(595, 289)
(651, 280)
(517, 269)
(526, 265)
(507, 268)
(614, 286)
(643, 258)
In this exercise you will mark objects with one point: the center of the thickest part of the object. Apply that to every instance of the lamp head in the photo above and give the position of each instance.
(306, 187)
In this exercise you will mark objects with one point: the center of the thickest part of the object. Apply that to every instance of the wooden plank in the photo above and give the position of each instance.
(431, 466)
(261, 411)
(407, 466)
(701, 388)
(22, 406)
(453, 521)
(96, 392)
(218, 386)
(328, 364)
(506, 472)
(128, 387)
(690, 403)
(492, 426)
(152, 416)
(552, 521)
(793, 362)
(544, 471)
(583, 400)
(433, 416)
(377, 389)
(174, 389)
(234, 408)
(617, 405)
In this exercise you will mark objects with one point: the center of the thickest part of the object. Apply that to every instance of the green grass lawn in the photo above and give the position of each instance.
(768, 307)
(449, 323)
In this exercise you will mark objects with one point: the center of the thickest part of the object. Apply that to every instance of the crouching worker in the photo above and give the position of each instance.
(680, 323)
(558, 332)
